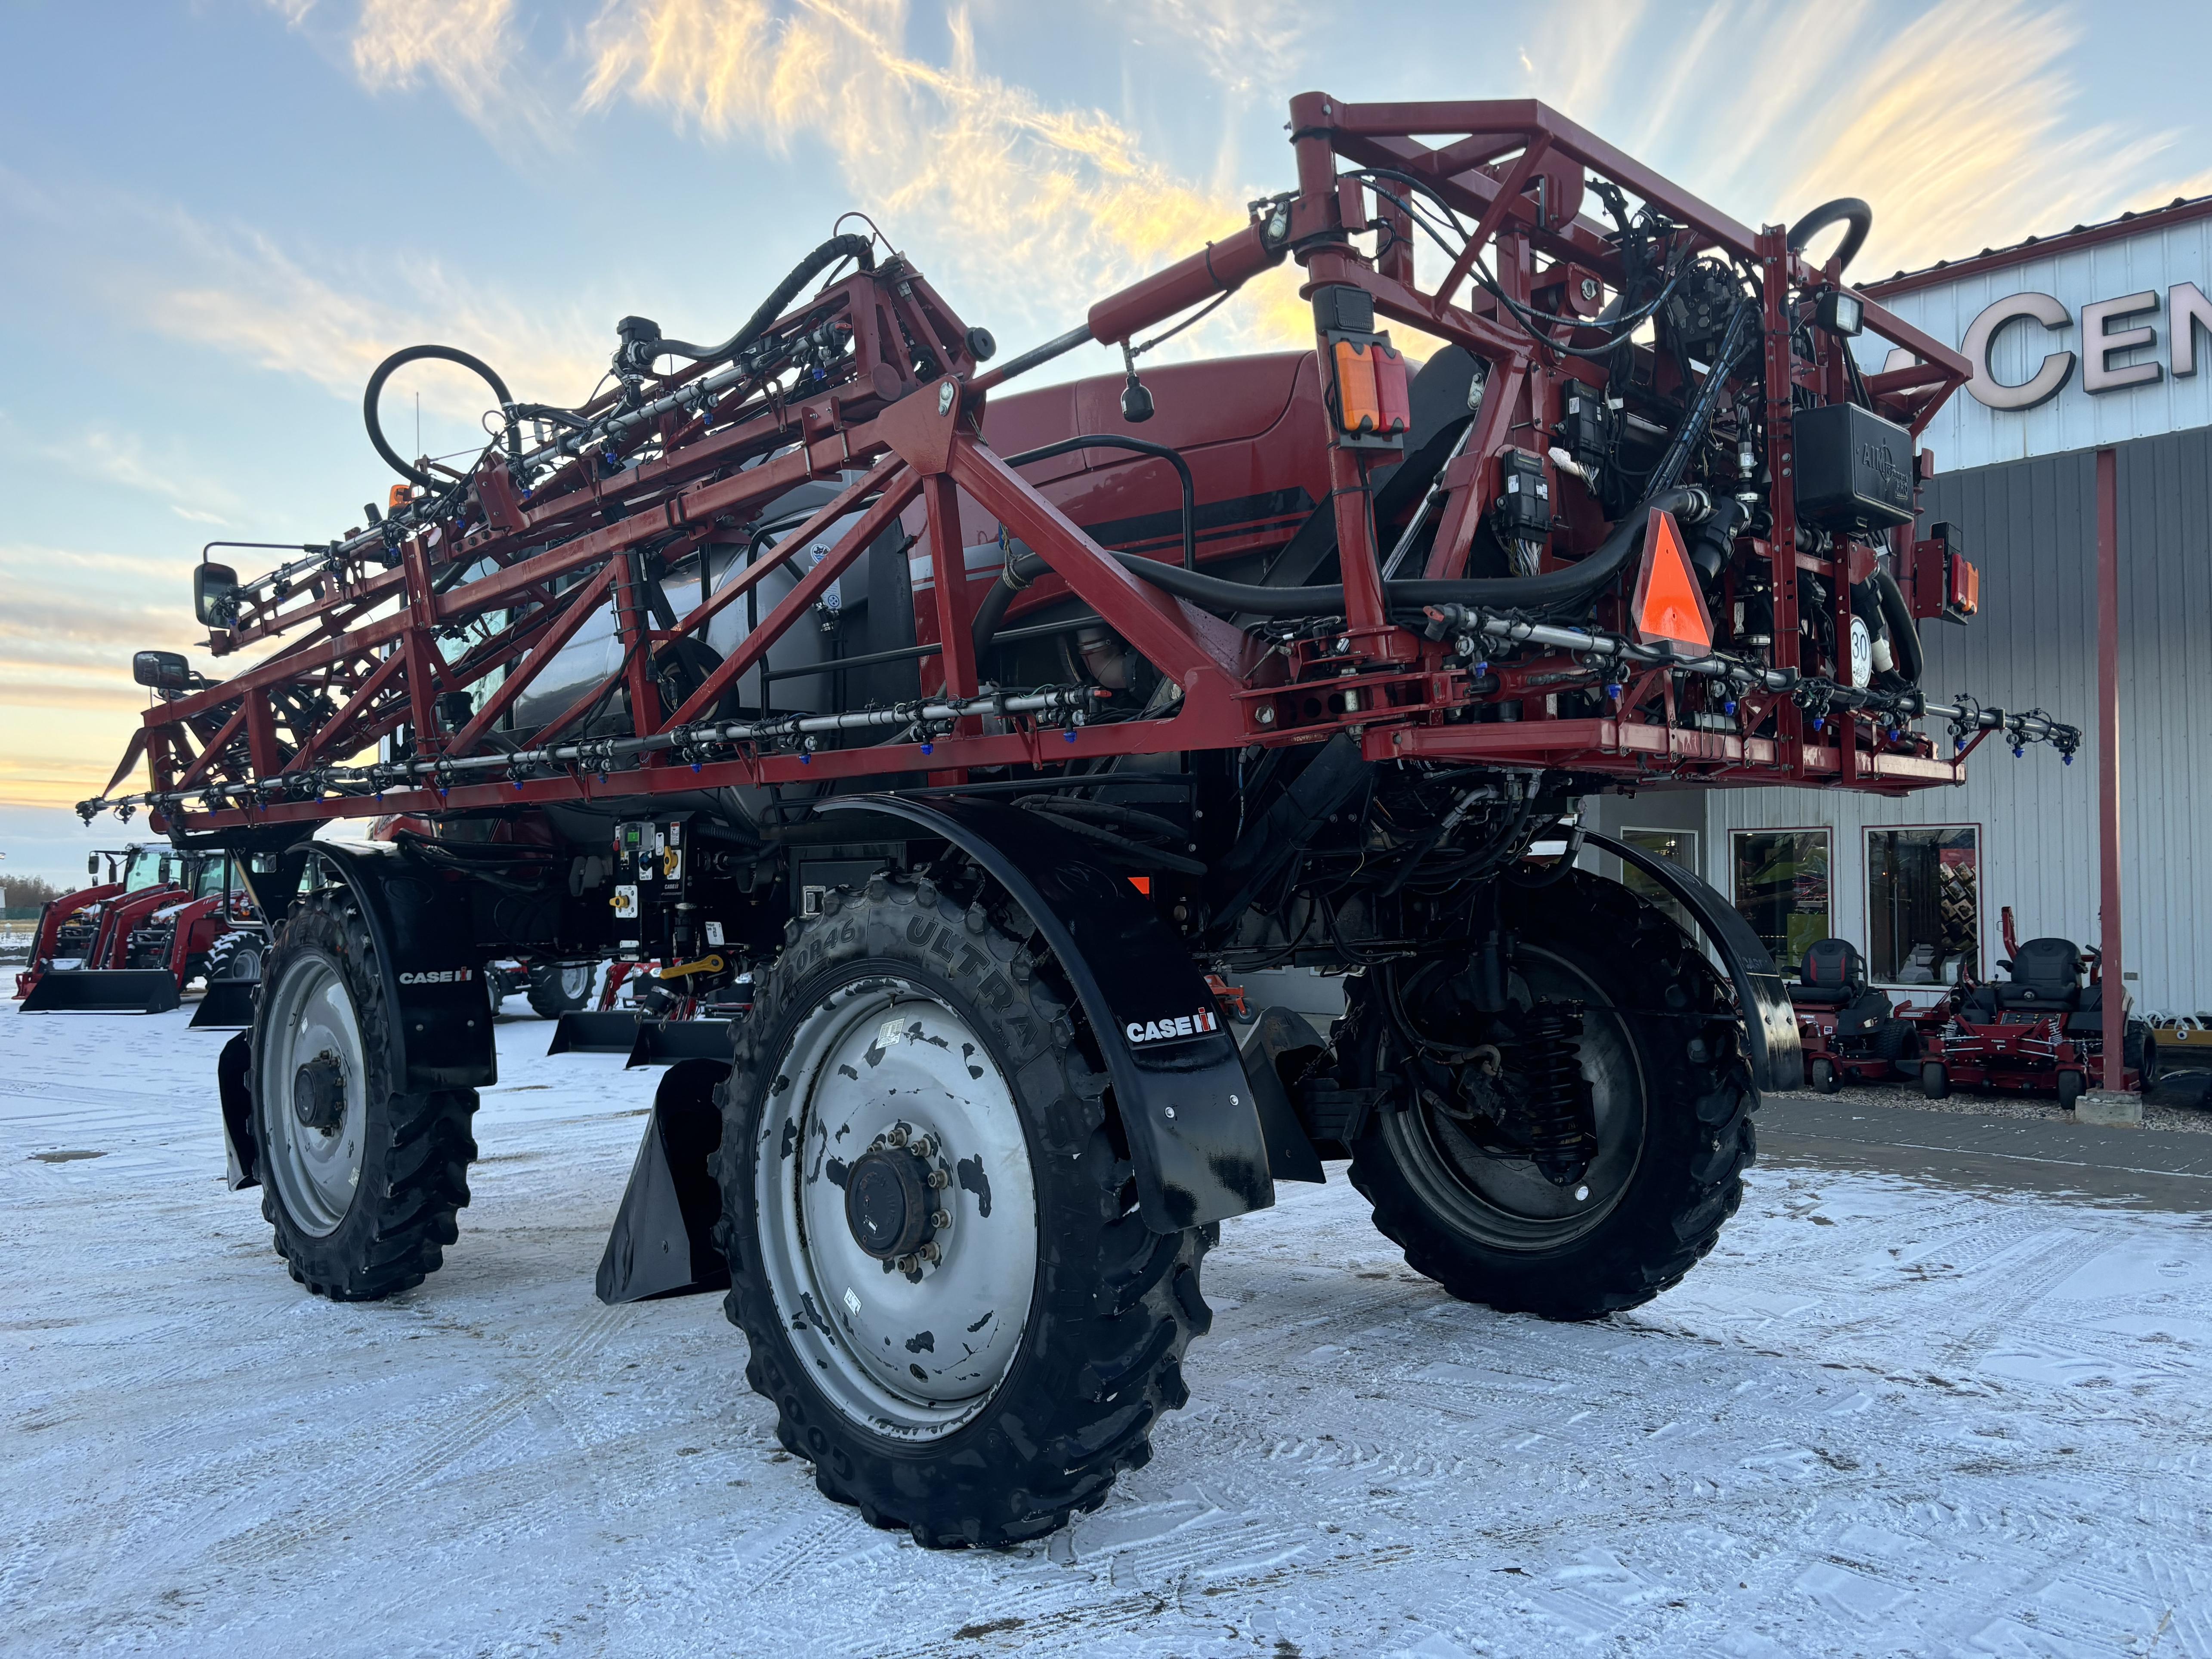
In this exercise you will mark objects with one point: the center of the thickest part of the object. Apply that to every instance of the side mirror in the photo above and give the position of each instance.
(214, 595)
(163, 671)
(92, 866)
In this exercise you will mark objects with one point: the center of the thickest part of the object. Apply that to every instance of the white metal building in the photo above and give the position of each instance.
(2098, 337)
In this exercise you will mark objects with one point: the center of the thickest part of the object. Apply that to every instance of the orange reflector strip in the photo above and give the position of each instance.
(1669, 605)
(1142, 883)
(400, 495)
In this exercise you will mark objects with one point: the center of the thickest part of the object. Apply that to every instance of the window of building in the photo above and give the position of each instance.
(1923, 905)
(1677, 846)
(1782, 889)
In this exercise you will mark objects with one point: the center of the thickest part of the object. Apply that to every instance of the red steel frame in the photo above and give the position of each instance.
(251, 744)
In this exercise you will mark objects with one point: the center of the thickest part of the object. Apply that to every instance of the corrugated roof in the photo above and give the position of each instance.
(2131, 223)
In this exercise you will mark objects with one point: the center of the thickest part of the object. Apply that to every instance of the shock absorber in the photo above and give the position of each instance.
(1558, 1122)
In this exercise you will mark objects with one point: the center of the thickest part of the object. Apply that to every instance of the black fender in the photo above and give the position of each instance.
(434, 976)
(1770, 1023)
(1186, 1105)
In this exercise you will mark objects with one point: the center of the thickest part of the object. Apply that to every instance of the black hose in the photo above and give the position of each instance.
(993, 612)
(1843, 208)
(1904, 632)
(1142, 447)
(859, 249)
(399, 360)
(1735, 341)
(1578, 581)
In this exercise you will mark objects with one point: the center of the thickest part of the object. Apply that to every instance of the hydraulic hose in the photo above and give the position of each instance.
(1844, 208)
(1553, 588)
(993, 612)
(399, 360)
(857, 248)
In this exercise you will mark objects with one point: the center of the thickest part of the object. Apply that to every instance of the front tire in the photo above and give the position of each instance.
(560, 987)
(362, 1183)
(1825, 1080)
(977, 1371)
(1935, 1080)
(1670, 1103)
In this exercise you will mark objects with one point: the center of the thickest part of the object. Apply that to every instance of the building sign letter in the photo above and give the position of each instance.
(2048, 380)
(2186, 310)
(2099, 344)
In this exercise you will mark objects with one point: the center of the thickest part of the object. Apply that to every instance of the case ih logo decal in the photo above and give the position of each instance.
(443, 976)
(1167, 1031)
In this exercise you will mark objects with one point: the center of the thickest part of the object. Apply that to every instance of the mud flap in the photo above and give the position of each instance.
(241, 1157)
(1179, 1084)
(228, 1002)
(103, 991)
(1770, 1023)
(662, 1242)
(1291, 1155)
(587, 1032)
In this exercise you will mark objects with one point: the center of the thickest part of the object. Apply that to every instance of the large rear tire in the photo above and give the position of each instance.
(361, 1182)
(934, 1248)
(1670, 1108)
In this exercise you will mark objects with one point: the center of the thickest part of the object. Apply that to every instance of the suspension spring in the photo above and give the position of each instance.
(1559, 1124)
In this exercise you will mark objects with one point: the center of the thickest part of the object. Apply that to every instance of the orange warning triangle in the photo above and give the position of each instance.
(1668, 603)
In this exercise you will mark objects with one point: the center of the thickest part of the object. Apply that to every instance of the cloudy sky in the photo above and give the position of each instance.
(216, 215)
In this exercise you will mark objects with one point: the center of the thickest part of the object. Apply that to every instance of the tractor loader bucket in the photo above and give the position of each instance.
(587, 1032)
(666, 1041)
(103, 991)
(228, 1002)
(663, 1240)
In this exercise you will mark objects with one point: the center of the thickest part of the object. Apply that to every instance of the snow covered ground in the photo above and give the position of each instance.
(1884, 1417)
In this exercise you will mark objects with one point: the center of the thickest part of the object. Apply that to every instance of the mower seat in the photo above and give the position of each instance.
(1833, 975)
(2047, 977)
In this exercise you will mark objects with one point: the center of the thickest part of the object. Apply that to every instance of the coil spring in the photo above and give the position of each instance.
(1559, 1124)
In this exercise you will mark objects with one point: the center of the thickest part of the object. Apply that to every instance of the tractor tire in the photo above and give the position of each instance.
(1017, 1341)
(2071, 1087)
(361, 1182)
(1823, 1073)
(235, 955)
(1673, 1100)
(561, 987)
(1934, 1079)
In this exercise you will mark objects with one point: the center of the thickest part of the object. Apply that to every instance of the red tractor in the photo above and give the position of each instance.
(955, 737)
(161, 919)
(2040, 1031)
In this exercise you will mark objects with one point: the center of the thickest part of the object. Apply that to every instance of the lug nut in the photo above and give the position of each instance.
(897, 1137)
(931, 1254)
(938, 1178)
(939, 1219)
(923, 1147)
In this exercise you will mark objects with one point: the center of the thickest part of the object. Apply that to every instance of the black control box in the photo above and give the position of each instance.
(1854, 470)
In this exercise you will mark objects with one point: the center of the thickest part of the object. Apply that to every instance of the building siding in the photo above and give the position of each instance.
(2031, 525)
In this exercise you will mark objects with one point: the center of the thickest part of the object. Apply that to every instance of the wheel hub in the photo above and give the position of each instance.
(888, 1204)
(319, 1094)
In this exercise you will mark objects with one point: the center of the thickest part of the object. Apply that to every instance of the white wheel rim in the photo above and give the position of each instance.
(907, 1353)
(576, 981)
(316, 1171)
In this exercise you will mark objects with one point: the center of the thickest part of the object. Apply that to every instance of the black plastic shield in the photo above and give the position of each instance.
(1187, 1107)
(1769, 1024)
(666, 1041)
(662, 1242)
